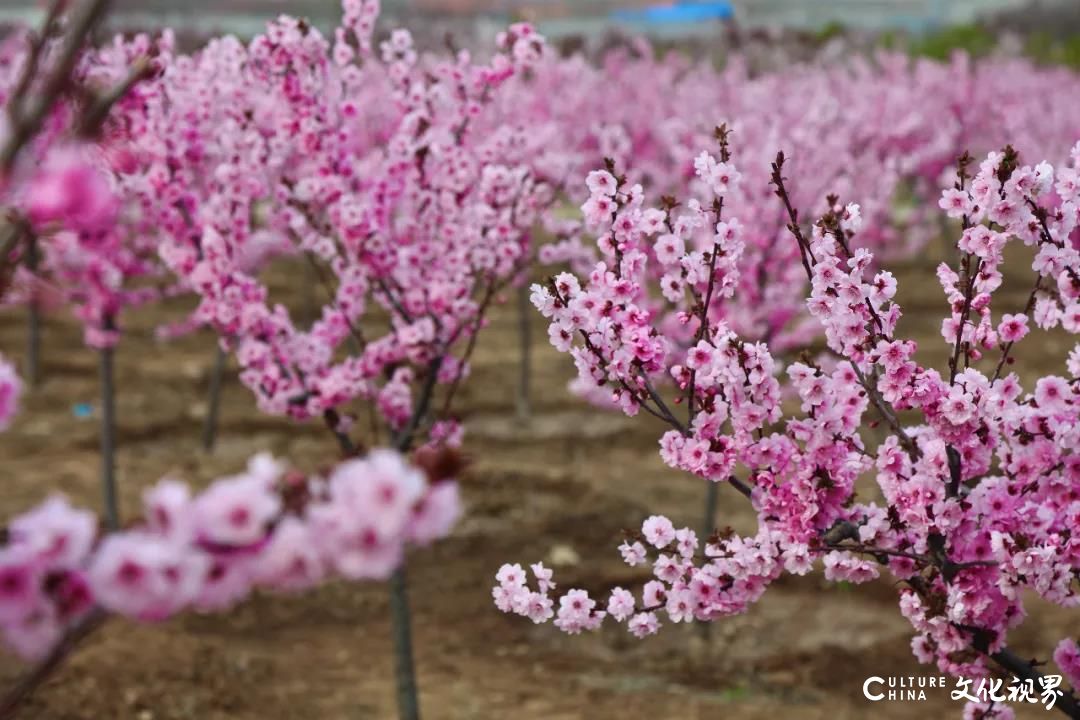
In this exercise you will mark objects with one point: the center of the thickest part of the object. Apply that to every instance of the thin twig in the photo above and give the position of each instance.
(333, 421)
(965, 311)
(777, 179)
(37, 44)
(664, 410)
(469, 348)
(94, 115)
(742, 487)
(403, 439)
(1025, 669)
(1045, 237)
(1009, 345)
(703, 318)
(25, 122)
(887, 412)
(394, 301)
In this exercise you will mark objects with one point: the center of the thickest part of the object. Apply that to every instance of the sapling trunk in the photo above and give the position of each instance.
(524, 399)
(404, 667)
(33, 338)
(210, 422)
(108, 440)
(401, 622)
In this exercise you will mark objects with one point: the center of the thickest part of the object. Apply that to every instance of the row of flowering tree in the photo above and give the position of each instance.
(411, 218)
(409, 187)
(844, 124)
(412, 231)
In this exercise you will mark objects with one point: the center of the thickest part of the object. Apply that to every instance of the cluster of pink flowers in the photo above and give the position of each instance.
(1067, 657)
(266, 528)
(345, 150)
(980, 491)
(386, 174)
(10, 390)
(64, 193)
(70, 193)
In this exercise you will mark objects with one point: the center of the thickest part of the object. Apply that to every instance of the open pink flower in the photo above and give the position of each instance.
(71, 192)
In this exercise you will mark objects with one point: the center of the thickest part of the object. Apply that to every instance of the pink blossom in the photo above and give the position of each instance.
(1053, 394)
(621, 604)
(543, 577)
(235, 512)
(70, 191)
(227, 580)
(56, 534)
(538, 607)
(632, 554)
(576, 613)
(601, 182)
(669, 248)
(987, 711)
(195, 553)
(1047, 313)
(1070, 317)
(10, 390)
(33, 636)
(436, 513)
(169, 510)
(381, 489)
(511, 576)
(644, 624)
(290, 561)
(718, 176)
(1067, 658)
(958, 407)
(955, 203)
(145, 577)
(20, 584)
(1013, 328)
(653, 593)
(658, 531)
(679, 606)
(797, 559)
(687, 542)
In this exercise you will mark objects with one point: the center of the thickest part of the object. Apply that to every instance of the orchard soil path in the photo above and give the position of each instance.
(559, 488)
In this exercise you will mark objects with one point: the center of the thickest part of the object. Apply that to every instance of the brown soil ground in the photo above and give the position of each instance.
(559, 488)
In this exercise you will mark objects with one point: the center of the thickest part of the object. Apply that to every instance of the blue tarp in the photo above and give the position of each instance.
(678, 13)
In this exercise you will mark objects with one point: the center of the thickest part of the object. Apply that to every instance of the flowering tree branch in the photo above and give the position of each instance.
(956, 484)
